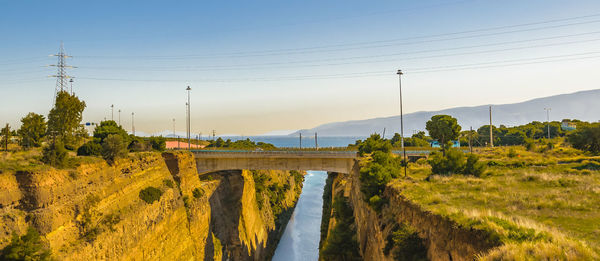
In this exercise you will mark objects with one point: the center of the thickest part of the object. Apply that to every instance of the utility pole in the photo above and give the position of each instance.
(383, 136)
(402, 122)
(470, 143)
(132, 125)
(174, 128)
(214, 134)
(112, 112)
(491, 135)
(316, 143)
(189, 130)
(548, 120)
(119, 117)
(300, 140)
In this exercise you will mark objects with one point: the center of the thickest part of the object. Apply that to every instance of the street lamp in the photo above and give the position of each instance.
(132, 126)
(119, 117)
(402, 121)
(189, 130)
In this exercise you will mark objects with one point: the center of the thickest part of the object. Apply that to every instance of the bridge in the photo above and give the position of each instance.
(334, 161)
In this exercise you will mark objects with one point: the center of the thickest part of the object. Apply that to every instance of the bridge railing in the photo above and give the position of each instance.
(302, 152)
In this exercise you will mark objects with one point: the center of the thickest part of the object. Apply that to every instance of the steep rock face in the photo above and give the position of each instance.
(246, 229)
(443, 238)
(95, 212)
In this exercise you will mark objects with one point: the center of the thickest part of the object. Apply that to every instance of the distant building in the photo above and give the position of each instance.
(436, 144)
(568, 125)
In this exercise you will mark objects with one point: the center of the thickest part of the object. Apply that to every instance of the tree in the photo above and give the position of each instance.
(107, 128)
(90, 148)
(374, 143)
(443, 128)
(55, 154)
(113, 148)
(158, 143)
(65, 117)
(26, 247)
(5, 136)
(586, 138)
(33, 129)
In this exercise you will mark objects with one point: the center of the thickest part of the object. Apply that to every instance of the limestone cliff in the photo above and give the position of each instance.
(95, 212)
(442, 238)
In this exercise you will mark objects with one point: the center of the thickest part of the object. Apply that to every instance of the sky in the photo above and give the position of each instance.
(262, 66)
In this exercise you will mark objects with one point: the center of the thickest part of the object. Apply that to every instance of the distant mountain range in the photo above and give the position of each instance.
(583, 105)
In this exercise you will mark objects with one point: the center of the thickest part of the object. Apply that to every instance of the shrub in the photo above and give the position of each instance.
(90, 148)
(473, 166)
(512, 153)
(377, 173)
(374, 143)
(55, 155)
(158, 143)
(454, 163)
(198, 192)
(406, 244)
(150, 194)
(26, 247)
(113, 147)
(169, 183)
(586, 138)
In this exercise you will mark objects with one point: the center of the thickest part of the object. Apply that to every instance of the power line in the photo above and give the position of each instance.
(289, 63)
(361, 44)
(378, 73)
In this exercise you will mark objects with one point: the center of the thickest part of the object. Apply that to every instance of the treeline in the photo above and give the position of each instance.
(111, 141)
(62, 132)
(246, 144)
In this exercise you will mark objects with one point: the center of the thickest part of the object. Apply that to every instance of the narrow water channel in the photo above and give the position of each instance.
(300, 240)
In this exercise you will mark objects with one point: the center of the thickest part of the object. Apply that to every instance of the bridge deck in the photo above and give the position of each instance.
(289, 154)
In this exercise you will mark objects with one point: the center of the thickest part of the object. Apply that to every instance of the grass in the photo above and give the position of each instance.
(550, 199)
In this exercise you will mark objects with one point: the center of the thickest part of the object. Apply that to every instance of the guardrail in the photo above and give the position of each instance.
(313, 152)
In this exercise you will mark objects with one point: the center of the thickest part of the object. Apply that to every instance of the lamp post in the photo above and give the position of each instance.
(119, 117)
(189, 130)
(112, 112)
(132, 125)
(405, 163)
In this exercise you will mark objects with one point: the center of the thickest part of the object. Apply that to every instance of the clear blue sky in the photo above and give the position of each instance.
(257, 66)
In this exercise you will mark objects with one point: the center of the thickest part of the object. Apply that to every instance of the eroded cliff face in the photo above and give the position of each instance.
(95, 212)
(442, 238)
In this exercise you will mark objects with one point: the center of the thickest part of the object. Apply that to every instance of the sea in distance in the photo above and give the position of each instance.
(286, 141)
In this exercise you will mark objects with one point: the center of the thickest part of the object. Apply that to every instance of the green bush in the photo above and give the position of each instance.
(376, 174)
(150, 194)
(586, 138)
(374, 143)
(169, 183)
(90, 148)
(55, 155)
(473, 166)
(113, 147)
(198, 192)
(158, 143)
(454, 163)
(26, 247)
(512, 153)
(406, 244)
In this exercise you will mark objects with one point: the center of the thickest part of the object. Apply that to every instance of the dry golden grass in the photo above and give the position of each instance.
(541, 205)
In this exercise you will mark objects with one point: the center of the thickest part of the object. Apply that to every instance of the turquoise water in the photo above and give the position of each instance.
(300, 240)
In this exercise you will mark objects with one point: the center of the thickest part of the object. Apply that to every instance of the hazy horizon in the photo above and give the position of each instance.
(259, 67)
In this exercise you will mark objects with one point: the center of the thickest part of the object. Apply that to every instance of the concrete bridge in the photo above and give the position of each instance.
(334, 161)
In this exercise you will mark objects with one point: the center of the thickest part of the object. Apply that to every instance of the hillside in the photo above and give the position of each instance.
(580, 105)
